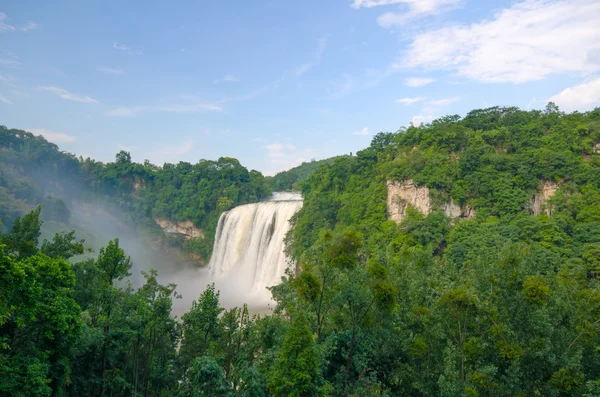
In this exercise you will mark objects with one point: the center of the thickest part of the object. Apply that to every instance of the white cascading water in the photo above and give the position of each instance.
(249, 245)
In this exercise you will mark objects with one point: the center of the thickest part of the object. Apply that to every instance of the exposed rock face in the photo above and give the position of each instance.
(452, 210)
(402, 194)
(597, 148)
(539, 199)
(185, 229)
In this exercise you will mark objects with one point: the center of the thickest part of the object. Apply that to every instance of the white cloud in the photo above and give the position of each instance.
(3, 26)
(528, 41)
(410, 101)
(412, 9)
(29, 26)
(109, 70)
(580, 97)
(229, 77)
(418, 81)
(64, 94)
(4, 100)
(421, 118)
(444, 101)
(259, 139)
(173, 108)
(363, 132)
(56, 137)
(126, 48)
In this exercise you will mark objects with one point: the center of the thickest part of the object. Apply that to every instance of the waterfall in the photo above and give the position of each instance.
(249, 242)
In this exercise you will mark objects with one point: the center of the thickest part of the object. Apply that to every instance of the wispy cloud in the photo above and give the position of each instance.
(410, 101)
(66, 95)
(318, 53)
(421, 119)
(29, 26)
(528, 41)
(126, 48)
(344, 86)
(433, 107)
(418, 81)
(5, 100)
(170, 108)
(170, 153)
(4, 27)
(8, 80)
(109, 70)
(444, 101)
(412, 9)
(363, 132)
(581, 97)
(8, 59)
(285, 156)
(228, 78)
(56, 137)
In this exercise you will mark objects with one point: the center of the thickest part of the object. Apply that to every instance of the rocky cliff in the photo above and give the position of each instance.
(538, 201)
(185, 229)
(402, 194)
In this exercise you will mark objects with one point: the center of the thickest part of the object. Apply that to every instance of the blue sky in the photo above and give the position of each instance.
(275, 83)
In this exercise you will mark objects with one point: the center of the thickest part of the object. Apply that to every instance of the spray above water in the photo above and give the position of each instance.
(248, 255)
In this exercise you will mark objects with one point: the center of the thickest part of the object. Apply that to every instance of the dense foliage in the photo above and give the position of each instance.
(34, 171)
(502, 304)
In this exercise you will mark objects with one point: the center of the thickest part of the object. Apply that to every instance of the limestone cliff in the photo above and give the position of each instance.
(185, 229)
(402, 194)
(539, 199)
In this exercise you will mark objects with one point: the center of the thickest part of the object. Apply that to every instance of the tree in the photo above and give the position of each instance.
(296, 371)
(113, 265)
(200, 326)
(39, 323)
(205, 378)
(22, 240)
(63, 245)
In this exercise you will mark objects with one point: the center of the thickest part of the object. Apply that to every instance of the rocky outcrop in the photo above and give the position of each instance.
(540, 198)
(597, 148)
(185, 229)
(454, 211)
(402, 194)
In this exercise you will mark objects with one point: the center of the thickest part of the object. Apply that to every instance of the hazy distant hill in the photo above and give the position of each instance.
(288, 180)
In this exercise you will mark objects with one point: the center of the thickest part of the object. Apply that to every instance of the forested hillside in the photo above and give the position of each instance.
(456, 258)
(291, 179)
(34, 171)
